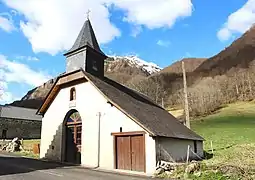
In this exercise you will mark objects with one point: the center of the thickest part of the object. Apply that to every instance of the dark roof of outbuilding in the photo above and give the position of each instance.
(19, 113)
(86, 37)
(151, 116)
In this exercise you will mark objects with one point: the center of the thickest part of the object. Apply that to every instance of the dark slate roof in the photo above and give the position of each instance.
(148, 114)
(86, 37)
(19, 113)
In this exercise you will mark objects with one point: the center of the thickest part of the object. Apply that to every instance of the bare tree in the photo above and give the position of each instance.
(149, 86)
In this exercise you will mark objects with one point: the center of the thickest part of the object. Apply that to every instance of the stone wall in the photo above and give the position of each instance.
(25, 129)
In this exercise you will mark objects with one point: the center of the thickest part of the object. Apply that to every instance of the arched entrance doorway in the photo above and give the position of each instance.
(73, 136)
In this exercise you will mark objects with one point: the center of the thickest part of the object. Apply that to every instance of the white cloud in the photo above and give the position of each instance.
(15, 72)
(6, 22)
(7, 97)
(27, 58)
(187, 55)
(239, 21)
(224, 34)
(163, 43)
(186, 25)
(154, 14)
(136, 30)
(21, 73)
(52, 25)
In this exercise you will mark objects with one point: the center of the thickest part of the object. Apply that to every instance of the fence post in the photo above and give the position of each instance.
(211, 146)
(187, 160)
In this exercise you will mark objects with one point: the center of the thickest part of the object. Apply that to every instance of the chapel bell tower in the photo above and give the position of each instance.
(86, 53)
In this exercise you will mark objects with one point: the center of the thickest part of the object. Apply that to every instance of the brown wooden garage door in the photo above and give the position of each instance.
(130, 152)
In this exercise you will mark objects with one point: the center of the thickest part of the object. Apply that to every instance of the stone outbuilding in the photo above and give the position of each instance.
(19, 122)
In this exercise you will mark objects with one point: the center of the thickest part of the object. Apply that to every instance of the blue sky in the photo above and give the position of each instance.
(35, 34)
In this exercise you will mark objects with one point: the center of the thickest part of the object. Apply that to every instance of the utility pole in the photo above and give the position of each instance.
(186, 103)
(157, 94)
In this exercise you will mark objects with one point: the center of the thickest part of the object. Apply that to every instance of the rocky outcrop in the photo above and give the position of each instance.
(34, 98)
(14, 145)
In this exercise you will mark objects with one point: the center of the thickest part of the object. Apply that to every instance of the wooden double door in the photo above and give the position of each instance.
(130, 152)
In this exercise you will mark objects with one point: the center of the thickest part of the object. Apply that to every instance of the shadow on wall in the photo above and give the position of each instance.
(18, 165)
(163, 155)
(57, 150)
(54, 151)
(174, 151)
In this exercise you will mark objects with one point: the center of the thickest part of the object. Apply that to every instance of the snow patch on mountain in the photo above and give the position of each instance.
(139, 63)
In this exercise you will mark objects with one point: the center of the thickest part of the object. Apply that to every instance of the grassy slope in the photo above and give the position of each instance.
(232, 132)
(232, 125)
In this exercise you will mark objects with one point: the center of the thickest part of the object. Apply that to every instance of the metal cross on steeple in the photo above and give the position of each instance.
(88, 13)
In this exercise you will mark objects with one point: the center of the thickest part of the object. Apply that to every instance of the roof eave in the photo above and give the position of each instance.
(85, 46)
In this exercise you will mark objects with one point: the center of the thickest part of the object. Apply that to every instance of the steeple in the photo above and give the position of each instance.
(86, 37)
(85, 52)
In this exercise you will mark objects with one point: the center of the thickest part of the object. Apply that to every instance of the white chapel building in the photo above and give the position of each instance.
(91, 120)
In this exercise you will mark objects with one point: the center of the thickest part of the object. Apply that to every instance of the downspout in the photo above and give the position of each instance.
(99, 139)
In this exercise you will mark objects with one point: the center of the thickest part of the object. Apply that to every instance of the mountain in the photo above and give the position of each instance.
(116, 64)
(240, 54)
(34, 97)
(190, 65)
(118, 68)
(227, 77)
(123, 69)
(228, 72)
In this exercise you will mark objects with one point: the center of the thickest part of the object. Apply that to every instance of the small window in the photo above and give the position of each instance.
(4, 134)
(72, 94)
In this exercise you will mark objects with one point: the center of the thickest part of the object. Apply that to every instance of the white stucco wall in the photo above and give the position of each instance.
(112, 120)
(89, 102)
(171, 149)
(52, 121)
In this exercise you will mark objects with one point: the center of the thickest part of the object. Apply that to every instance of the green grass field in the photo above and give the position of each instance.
(28, 147)
(232, 125)
(232, 132)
